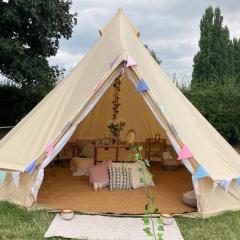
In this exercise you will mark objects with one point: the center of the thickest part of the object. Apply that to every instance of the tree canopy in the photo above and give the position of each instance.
(215, 86)
(29, 34)
(153, 54)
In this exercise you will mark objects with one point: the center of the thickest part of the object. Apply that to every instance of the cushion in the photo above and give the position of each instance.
(136, 175)
(99, 174)
(88, 151)
(119, 176)
(189, 198)
(80, 166)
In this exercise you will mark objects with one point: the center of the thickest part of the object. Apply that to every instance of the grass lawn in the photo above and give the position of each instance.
(17, 223)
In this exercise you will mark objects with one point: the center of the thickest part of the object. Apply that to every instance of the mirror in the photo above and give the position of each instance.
(131, 137)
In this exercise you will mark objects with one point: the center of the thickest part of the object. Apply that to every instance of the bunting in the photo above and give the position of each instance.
(49, 149)
(16, 177)
(30, 168)
(37, 183)
(238, 181)
(225, 184)
(130, 62)
(142, 86)
(174, 130)
(201, 173)
(184, 153)
(2, 176)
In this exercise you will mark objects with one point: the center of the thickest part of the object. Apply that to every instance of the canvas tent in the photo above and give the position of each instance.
(60, 114)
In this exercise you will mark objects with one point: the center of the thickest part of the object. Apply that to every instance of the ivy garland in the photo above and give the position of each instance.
(116, 126)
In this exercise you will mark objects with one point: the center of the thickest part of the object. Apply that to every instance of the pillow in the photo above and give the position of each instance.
(120, 176)
(88, 151)
(80, 166)
(189, 198)
(99, 174)
(136, 175)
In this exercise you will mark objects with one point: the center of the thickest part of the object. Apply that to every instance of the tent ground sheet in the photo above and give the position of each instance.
(61, 190)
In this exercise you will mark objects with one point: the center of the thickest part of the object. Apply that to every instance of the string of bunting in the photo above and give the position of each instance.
(130, 61)
(142, 86)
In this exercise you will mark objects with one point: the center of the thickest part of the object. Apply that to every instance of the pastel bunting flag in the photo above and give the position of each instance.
(2, 176)
(200, 173)
(30, 168)
(238, 181)
(130, 62)
(142, 86)
(113, 61)
(15, 178)
(225, 184)
(49, 149)
(161, 108)
(174, 130)
(185, 153)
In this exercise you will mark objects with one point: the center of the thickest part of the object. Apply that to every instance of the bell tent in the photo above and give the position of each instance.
(80, 107)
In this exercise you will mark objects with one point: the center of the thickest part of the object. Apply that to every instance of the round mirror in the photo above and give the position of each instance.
(131, 136)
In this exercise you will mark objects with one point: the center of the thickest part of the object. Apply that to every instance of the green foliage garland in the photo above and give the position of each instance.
(152, 231)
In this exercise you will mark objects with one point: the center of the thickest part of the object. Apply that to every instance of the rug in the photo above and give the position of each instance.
(105, 228)
(61, 190)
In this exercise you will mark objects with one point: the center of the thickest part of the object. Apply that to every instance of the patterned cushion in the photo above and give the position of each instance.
(120, 176)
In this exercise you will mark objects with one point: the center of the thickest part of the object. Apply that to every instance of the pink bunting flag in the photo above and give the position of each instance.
(130, 62)
(185, 153)
(49, 149)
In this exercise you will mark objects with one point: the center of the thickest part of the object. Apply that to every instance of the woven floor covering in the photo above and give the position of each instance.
(105, 228)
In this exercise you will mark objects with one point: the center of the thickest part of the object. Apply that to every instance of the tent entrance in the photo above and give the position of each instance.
(60, 189)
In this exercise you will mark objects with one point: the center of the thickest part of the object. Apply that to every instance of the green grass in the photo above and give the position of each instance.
(222, 227)
(17, 223)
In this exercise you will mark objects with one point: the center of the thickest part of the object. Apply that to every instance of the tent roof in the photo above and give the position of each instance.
(44, 123)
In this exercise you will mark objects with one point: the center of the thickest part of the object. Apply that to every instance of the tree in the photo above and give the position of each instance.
(219, 104)
(29, 34)
(235, 47)
(213, 62)
(153, 54)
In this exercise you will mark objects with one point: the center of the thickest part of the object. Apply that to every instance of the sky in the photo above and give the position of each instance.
(169, 27)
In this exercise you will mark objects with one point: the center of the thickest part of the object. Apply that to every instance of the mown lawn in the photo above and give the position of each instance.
(17, 223)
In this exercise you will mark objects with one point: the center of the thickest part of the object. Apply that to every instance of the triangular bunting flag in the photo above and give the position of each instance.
(201, 173)
(184, 153)
(37, 183)
(130, 62)
(161, 109)
(16, 176)
(49, 149)
(2, 176)
(215, 185)
(113, 61)
(174, 130)
(238, 181)
(31, 167)
(142, 86)
(225, 184)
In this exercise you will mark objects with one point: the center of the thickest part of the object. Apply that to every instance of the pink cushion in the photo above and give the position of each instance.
(99, 174)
